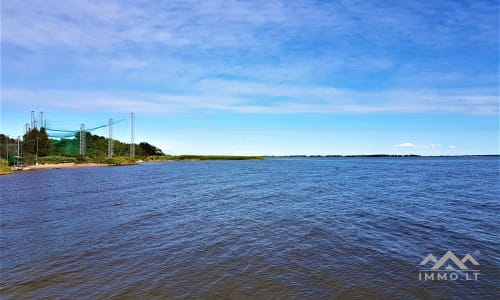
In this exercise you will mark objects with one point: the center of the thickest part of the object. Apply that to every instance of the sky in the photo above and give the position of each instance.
(259, 77)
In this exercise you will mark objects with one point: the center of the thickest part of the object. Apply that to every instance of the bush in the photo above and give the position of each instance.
(80, 159)
(57, 159)
(116, 161)
(4, 167)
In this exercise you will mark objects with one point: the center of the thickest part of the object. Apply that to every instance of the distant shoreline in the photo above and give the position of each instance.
(380, 155)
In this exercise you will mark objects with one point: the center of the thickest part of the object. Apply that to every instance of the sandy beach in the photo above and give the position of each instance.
(60, 166)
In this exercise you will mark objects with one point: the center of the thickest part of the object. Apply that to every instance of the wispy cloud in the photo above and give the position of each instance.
(419, 146)
(294, 59)
(248, 57)
(213, 24)
(406, 145)
(248, 97)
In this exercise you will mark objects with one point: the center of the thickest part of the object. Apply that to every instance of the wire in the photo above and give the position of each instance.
(73, 132)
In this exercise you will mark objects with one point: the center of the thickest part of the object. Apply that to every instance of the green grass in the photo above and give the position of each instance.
(125, 160)
(56, 159)
(4, 167)
(117, 161)
(78, 159)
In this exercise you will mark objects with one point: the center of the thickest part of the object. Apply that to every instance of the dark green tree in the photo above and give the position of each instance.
(43, 143)
(97, 147)
(148, 149)
(7, 146)
(29, 141)
(36, 142)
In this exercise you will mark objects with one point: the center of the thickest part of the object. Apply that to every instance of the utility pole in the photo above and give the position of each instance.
(32, 119)
(132, 136)
(7, 148)
(82, 139)
(110, 139)
(18, 150)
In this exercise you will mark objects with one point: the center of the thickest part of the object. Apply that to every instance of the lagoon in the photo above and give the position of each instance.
(300, 228)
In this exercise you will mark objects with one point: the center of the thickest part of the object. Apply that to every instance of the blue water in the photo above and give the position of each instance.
(312, 228)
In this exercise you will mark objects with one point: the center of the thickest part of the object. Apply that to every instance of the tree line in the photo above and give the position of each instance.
(8, 146)
(36, 142)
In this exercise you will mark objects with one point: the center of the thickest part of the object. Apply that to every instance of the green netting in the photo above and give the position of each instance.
(72, 147)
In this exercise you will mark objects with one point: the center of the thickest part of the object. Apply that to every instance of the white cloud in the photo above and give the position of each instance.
(252, 97)
(419, 146)
(430, 146)
(187, 38)
(213, 24)
(406, 145)
(452, 147)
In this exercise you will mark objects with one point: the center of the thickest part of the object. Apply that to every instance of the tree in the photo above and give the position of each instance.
(96, 146)
(7, 145)
(43, 143)
(36, 142)
(29, 141)
(147, 149)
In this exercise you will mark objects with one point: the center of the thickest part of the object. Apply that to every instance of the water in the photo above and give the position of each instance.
(278, 228)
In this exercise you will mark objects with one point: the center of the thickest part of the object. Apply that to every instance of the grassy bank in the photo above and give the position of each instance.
(121, 160)
(115, 161)
(4, 167)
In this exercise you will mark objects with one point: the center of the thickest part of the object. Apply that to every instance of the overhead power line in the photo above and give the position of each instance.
(73, 132)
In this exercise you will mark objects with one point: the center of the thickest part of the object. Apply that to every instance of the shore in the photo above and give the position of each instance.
(60, 166)
(119, 161)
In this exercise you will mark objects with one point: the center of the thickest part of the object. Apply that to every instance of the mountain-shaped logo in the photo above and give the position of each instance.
(450, 262)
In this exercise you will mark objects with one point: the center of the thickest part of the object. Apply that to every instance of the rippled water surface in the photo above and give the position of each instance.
(278, 228)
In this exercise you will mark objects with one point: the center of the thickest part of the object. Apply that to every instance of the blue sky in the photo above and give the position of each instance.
(259, 77)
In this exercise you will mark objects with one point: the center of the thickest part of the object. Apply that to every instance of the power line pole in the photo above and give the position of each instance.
(32, 119)
(82, 139)
(7, 148)
(36, 156)
(132, 136)
(110, 139)
(18, 150)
